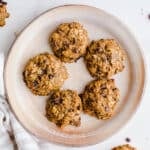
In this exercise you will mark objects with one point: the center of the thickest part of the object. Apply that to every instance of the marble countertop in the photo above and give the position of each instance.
(135, 15)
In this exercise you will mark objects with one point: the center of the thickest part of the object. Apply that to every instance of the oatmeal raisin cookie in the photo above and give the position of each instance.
(44, 73)
(64, 108)
(104, 58)
(69, 41)
(100, 98)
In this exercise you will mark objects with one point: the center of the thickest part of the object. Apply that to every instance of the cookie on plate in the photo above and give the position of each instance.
(64, 108)
(3, 13)
(44, 73)
(124, 147)
(100, 98)
(69, 41)
(104, 58)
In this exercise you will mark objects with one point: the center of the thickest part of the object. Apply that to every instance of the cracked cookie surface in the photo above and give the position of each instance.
(44, 73)
(3, 13)
(100, 98)
(124, 147)
(69, 41)
(104, 58)
(63, 108)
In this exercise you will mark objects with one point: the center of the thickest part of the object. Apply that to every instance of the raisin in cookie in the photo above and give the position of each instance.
(124, 147)
(104, 58)
(44, 73)
(100, 98)
(69, 41)
(3, 13)
(64, 108)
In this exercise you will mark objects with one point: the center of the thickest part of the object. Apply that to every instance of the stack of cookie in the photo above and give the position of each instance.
(45, 74)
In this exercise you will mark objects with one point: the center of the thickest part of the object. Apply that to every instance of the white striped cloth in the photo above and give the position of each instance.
(12, 135)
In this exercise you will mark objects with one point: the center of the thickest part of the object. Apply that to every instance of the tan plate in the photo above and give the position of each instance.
(29, 109)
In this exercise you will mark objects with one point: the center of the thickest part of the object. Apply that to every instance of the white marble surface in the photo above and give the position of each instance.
(135, 15)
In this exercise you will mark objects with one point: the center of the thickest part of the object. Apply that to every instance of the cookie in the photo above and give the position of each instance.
(104, 58)
(3, 13)
(69, 41)
(44, 73)
(100, 98)
(63, 108)
(124, 147)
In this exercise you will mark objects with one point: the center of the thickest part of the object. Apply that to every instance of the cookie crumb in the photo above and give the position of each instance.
(149, 16)
(2, 2)
(4, 119)
(127, 139)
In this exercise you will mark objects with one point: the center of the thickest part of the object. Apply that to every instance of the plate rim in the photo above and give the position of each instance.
(140, 95)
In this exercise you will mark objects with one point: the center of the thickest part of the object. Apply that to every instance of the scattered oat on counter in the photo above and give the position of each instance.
(69, 41)
(100, 98)
(104, 58)
(64, 108)
(124, 147)
(44, 73)
(3, 13)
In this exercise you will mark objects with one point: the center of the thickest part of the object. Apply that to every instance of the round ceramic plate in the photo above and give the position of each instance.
(30, 109)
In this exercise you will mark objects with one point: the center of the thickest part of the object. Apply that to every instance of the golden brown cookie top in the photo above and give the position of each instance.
(44, 73)
(64, 108)
(124, 147)
(104, 58)
(100, 98)
(69, 41)
(3, 13)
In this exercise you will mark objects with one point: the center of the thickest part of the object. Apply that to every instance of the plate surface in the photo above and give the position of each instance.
(29, 109)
